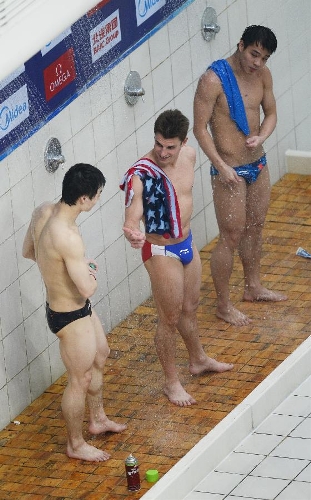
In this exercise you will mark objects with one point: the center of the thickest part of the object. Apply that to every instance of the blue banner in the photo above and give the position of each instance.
(73, 61)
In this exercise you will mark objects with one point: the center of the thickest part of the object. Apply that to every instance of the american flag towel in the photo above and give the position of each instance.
(160, 204)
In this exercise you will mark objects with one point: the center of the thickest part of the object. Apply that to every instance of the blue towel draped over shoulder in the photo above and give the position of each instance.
(232, 92)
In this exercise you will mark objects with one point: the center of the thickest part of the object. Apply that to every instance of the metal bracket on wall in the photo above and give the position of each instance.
(53, 155)
(209, 26)
(133, 88)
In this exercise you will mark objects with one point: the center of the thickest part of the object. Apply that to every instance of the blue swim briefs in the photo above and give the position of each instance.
(249, 172)
(182, 251)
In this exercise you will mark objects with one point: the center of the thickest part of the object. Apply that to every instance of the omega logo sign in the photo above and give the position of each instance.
(59, 74)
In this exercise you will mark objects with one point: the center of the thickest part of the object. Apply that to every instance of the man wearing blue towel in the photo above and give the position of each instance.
(229, 98)
(158, 191)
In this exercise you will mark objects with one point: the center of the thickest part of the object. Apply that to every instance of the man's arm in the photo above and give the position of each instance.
(268, 105)
(133, 216)
(71, 249)
(207, 92)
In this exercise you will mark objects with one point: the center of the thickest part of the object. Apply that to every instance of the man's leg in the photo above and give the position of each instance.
(167, 282)
(99, 422)
(78, 351)
(230, 206)
(257, 204)
(169, 285)
(187, 326)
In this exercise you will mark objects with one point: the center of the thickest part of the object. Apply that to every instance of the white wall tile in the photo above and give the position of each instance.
(144, 137)
(102, 280)
(162, 84)
(4, 177)
(104, 137)
(159, 47)
(112, 217)
(4, 404)
(39, 374)
(140, 60)
(6, 219)
(60, 126)
(144, 108)
(80, 112)
(100, 95)
(11, 308)
(3, 378)
(200, 55)
(285, 115)
(19, 393)
(56, 364)
(14, 351)
(9, 273)
(123, 119)
(198, 230)
(37, 144)
(116, 263)
(127, 154)
(301, 99)
(19, 163)
(31, 291)
(139, 286)
(103, 310)
(43, 183)
(22, 204)
(84, 146)
(92, 234)
(181, 69)
(178, 31)
(119, 299)
(118, 75)
(36, 333)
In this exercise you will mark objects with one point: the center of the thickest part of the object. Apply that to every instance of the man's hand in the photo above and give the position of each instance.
(135, 237)
(254, 142)
(228, 175)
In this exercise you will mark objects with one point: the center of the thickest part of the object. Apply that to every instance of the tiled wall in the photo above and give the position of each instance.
(100, 128)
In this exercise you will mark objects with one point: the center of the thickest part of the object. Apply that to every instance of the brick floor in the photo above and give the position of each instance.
(33, 464)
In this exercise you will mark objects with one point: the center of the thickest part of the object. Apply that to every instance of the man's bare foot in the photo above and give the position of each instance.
(233, 316)
(178, 396)
(87, 452)
(209, 365)
(105, 425)
(263, 294)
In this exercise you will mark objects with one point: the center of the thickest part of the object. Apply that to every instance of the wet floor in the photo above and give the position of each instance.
(33, 464)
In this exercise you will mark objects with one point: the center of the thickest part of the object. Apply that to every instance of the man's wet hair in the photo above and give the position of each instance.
(172, 123)
(260, 35)
(81, 179)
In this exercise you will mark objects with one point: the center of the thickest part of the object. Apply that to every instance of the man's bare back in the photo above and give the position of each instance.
(53, 241)
(52, 233)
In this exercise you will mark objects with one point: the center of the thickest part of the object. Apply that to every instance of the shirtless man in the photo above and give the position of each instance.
(53, 241)
(168, 252)
(240, 176)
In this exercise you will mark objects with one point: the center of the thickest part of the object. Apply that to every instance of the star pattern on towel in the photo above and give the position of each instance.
(154, 203)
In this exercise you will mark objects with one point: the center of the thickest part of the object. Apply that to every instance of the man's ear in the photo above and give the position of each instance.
(241, 46)
(184, 141)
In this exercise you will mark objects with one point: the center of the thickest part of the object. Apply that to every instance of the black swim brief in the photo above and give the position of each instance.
(58, 320)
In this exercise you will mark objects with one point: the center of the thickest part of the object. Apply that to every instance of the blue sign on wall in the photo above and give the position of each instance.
(73, 61)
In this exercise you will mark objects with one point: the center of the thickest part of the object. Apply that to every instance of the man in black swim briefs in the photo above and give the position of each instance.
(227, 124)
(58, 320)
(158, 191)
(54, 242)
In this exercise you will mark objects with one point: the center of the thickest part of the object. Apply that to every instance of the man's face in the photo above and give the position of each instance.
(166, 150)
(253, 57)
